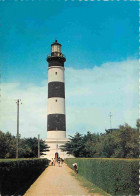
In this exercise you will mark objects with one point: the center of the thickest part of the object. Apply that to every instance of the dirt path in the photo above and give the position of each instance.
(57, 181)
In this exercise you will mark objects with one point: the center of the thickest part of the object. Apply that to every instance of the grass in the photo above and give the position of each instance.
(92, 188)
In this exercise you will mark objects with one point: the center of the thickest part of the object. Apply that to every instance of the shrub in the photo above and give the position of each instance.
(115, 176)
(17, 173)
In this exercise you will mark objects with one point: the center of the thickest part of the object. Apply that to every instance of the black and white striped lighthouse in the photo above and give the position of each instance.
(56, 118)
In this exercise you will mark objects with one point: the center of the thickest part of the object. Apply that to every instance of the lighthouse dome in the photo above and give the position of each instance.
(56, 47)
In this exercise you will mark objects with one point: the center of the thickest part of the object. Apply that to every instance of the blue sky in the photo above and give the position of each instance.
(91, 33)
(96, 37)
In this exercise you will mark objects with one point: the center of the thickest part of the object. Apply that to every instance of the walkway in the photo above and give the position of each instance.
(57, 181)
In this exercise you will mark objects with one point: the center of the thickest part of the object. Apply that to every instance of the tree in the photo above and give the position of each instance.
(138, 124)
(74, 146)
(7, 145)
(28, 147)
(121, 143)
(81, 146)
(128, 141)
(114, 143)
(90, 141)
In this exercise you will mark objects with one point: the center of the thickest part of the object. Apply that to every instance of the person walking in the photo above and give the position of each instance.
(59, 161)
(54, 161)
(75, 165)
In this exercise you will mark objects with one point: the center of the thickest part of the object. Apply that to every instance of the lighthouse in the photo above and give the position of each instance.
(56, 117)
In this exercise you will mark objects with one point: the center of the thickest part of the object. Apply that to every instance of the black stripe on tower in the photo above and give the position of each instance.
(56, 122)
(56, 89)
(55, 61)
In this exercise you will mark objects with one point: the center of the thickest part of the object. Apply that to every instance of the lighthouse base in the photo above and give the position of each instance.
(55, 151)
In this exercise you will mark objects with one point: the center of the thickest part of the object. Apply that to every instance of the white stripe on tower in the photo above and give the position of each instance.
(56, 73)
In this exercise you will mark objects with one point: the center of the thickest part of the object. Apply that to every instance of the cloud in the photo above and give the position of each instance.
(32, 111)
(93, 93)
(90, 95)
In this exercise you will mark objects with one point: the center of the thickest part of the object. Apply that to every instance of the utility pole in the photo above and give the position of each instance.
(17, 127)
(38, 146)
(110, 116)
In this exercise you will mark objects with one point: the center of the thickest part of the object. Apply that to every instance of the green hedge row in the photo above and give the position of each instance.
(115, 176)
(16, 175)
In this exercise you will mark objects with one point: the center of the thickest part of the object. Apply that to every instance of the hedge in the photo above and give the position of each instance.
(16, 175)
(115, 176)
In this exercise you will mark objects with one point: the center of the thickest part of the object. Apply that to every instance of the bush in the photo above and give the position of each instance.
(17, 174)
(115, 176)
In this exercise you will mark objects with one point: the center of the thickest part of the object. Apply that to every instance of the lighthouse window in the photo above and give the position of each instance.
(55, 73)
(56, 100)
(55, 48)
(58, 48)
